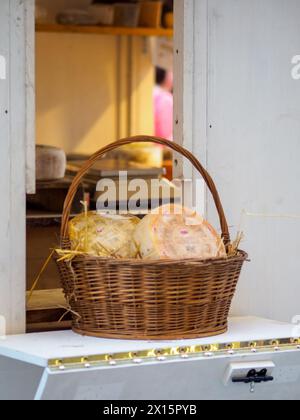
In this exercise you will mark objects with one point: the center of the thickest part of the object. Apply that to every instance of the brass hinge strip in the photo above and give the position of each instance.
(174, 353)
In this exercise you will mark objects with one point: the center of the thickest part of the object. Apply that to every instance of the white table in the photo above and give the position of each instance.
(64, 365)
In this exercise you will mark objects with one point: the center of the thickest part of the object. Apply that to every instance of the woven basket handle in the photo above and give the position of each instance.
(143, 139)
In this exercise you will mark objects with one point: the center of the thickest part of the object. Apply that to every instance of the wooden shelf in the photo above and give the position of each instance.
(46, 299)
(104, 30)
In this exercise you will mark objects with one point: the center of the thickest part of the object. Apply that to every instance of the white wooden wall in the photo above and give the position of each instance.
(12, 162)
(246, 125)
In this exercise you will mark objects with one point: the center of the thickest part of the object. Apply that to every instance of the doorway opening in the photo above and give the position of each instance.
(103, 72)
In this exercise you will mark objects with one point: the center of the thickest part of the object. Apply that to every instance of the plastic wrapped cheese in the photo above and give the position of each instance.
(177, 233)
(103, 235)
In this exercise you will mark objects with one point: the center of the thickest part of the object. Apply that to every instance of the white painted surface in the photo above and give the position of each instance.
(2, 67)
(39, 348)
(253, 145)
(18, 381)
(190, 91)
(296, 67)
(198, 379)
(29, 10)
(12, 163)
(250, 129)
(4, 129)
(23, 357)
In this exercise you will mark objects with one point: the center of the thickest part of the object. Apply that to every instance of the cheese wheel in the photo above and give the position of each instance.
(103, 235)
(177, 233)
(50, 163)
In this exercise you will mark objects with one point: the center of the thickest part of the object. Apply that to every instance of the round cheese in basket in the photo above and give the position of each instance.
(177, 233)
(103, 235)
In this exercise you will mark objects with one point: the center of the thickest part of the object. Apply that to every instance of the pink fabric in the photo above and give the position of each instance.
(163, 113)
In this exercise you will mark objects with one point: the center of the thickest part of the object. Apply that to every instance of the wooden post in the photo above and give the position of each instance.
(29, 26)
(13, 163)
(190, 91)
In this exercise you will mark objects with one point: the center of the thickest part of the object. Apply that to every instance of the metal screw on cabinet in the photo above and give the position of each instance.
(184, 356)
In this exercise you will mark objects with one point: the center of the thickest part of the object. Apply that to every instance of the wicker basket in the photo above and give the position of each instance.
(159, 300)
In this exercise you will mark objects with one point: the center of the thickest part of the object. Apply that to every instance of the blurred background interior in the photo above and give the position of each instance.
(104, 71)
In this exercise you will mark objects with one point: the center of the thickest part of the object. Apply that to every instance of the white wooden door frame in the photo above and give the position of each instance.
(29, 27)
(17, 123)
(16, 25)
(192, 128)
(18, 129)
(190, 90)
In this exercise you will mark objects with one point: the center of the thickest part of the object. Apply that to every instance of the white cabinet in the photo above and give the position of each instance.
(63, 365)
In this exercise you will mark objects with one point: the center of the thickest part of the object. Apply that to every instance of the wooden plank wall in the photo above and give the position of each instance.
(234, 76)
(253, 145)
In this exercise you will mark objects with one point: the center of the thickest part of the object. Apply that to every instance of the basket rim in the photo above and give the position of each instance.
(241, 256)
(189, 335)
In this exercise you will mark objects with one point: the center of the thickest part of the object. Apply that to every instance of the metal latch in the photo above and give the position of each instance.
(254, 377)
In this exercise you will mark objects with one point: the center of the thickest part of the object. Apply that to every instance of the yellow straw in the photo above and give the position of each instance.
(39, 276)
(85, 206)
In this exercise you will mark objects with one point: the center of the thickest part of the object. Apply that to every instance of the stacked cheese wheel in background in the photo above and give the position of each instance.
(50, 163)
(170, 232)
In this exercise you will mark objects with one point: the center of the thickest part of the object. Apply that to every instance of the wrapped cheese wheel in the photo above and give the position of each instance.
(50, 163)
(103, 235)
(177, 233)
